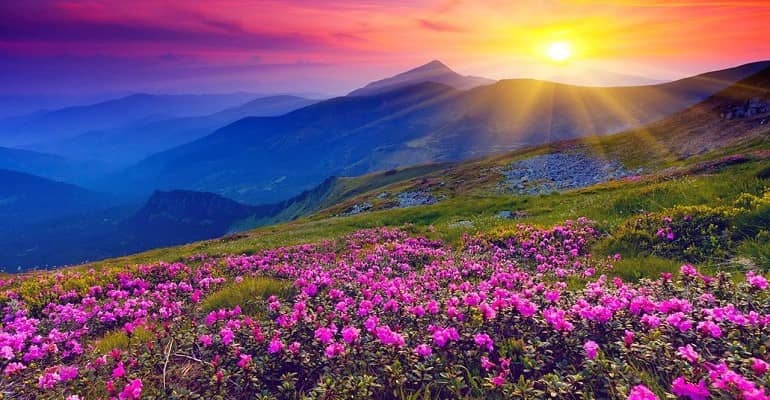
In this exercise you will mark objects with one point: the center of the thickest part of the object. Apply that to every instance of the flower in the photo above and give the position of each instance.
(688, 353)
(484, 341)
(118, 371)
(350, 334)
(757, 281)
(324, 334)
(591, 349)
(628, 338)
(205, 340)
(641, 392)
(423, 350)
(759, 366)
(682, 388)
(244, 360)
(334, 349)
(275, 346)
(132, 391)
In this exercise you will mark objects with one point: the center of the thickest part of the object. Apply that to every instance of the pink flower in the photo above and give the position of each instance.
(682, 388)
(132, 391)
(628, 338)
(244, 361)
(486, 364)
(759, 367)
(350, 334)
(423, 350)
(483, 340)
(499, 380)
(688, 353)
(13, 368)
(118, 371)
(757, 281)
(641, 392)
(710, 328)
(688, 270)
(275, 346)
(324, 335)
(294, 347)
(591, 349)
(205, 340)
(334, 349)
(227, 336)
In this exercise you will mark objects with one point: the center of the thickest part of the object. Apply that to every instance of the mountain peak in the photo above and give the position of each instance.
(432, 65)
(433, 71)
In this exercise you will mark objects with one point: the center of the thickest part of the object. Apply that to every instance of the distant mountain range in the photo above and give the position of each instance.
(265, 160)
(26, 199)
(135, 141)
(59, 124)
(434, 71)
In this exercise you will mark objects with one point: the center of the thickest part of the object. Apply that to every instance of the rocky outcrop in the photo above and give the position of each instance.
(752, 107)
(548, 173)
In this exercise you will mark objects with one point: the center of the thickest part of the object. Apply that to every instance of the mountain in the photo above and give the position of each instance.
(265, 160)
(67, 122)
(739, 114)
(434, 71)
(26, 199)
(128, 144)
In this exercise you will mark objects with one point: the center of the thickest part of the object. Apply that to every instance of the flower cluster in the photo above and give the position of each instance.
(381, 312)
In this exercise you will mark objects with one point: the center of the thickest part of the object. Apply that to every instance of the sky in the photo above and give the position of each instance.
(90, 47)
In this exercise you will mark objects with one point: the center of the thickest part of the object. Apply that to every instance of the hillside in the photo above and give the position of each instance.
(264, 160)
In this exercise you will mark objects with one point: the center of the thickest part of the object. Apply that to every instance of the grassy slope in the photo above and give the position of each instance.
(471, 196)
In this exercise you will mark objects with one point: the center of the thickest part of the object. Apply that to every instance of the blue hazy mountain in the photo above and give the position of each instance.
(67, 122)
(267, 159)
(131, 143)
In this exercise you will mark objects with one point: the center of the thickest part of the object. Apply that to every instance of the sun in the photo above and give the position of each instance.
(559, 51)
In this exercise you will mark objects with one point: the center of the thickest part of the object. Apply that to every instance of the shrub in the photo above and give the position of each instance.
(688, 233)
(247, 294)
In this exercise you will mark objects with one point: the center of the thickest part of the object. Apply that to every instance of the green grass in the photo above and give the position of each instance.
(633, 269)
(757, 251)
(248, 294)
(609, 204)
(118, 339)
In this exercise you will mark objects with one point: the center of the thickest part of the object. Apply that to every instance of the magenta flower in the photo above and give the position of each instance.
(682, 388)
(350, 334)
(688, 353)
(759, 366)
(119, 370)
(275, 346)
(484, 341)
(294, 347)
(205, 340)
(628, 338)
(244, 361)
(757, 281)
(641, 392)
(132, 391)
(334, 349)
(591, 349)
(423, 350)
(324, 335)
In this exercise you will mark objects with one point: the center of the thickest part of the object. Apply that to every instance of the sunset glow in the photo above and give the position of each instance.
(333, 47)
(559, 51)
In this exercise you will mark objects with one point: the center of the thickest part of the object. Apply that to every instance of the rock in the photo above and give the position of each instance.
(507, 214)
(462, 224)
(415, 198)
(552, 172)
(359, 208)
